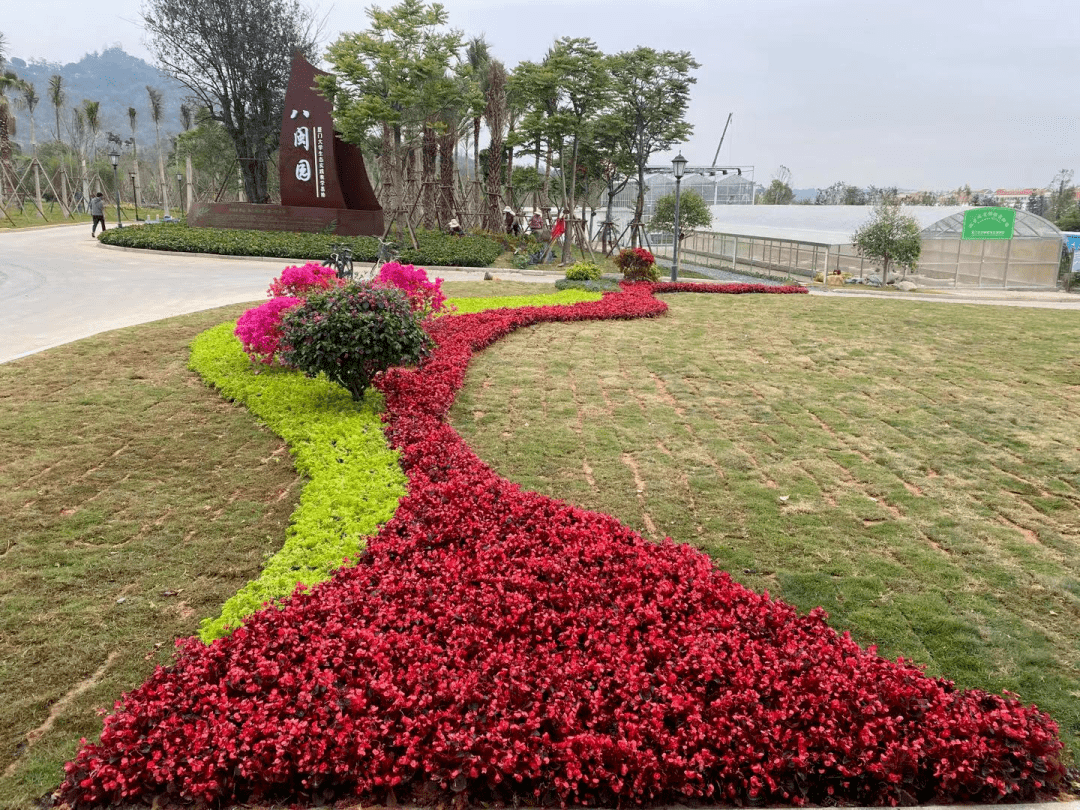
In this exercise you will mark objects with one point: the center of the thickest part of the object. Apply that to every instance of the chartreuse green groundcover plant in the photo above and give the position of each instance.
(355, 479)
(498, 645)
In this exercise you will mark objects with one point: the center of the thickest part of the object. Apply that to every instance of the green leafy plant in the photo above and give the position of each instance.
(352, 333)
(354, 478)
(584, 271)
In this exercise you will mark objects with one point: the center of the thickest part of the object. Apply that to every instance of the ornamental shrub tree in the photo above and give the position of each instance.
(889, 237)
(425, 296)
(301, 281)
(694, 213)
(584, 271)
(637, 264)
(352, 333)
(259, 329)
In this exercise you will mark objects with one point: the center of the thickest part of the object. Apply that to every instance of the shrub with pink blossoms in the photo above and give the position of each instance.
(425, 296)
(259, 329)
(300, 282)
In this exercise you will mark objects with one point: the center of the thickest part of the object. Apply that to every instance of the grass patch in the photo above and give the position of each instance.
(135, 501)
(30, 218)
(885, 460)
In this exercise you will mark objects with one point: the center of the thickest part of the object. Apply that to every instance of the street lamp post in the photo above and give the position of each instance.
(114, 158)
(679, 165)
(135, 196)
(180, 188)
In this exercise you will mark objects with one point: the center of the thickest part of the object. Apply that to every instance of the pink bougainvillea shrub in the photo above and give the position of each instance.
(425, 296)
(499, 645)
(300, 282)
(259, 329)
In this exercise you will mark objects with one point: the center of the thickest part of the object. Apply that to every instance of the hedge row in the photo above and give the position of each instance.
(434, 248)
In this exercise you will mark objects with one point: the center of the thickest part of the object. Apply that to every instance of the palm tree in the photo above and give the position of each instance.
(8, 81)
(156, 109)
(92, 111)
(478, 58)
(29, 102)
(57, 97)
(132, 113)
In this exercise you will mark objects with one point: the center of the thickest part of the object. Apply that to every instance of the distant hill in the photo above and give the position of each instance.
(113, 77)
(803, 194)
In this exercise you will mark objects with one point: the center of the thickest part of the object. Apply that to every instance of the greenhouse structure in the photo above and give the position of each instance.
(808, 240)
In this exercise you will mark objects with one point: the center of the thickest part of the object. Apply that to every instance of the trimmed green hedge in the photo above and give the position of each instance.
(435, 249)
(355, 478)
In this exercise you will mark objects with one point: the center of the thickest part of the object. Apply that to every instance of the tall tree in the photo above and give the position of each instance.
(779, 191)
(478, 62)
(495, 115)
(29, 101)
(584, 86)
(57, 97)
(235, 57)
(8, 81)
(157, 109)
(395, 79)
(92, 111)
(654, 93)
(1062, 195)
(137, 191)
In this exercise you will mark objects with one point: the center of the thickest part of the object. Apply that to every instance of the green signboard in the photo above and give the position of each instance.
(989, 223)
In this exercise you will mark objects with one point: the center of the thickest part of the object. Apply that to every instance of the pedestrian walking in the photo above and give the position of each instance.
(97, 211)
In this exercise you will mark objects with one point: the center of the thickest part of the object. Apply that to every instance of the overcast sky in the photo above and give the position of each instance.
(925, 94)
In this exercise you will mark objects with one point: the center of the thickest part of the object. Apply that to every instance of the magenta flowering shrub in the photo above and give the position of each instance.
(425, 296)
(498, 645)
(259, 329)
(637, 264)
(300, 282)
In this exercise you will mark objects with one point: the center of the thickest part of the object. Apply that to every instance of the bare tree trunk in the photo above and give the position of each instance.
(495, 113)
(429, 156)
(446, 175)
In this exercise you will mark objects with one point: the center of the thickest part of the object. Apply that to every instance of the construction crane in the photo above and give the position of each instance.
(722, 139)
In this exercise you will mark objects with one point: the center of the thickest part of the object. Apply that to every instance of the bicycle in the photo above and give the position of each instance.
(388, 252)
(341, 259)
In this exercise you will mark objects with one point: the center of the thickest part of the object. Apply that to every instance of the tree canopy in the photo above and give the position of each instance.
(694, 213)
(235, 58)
(889, 237)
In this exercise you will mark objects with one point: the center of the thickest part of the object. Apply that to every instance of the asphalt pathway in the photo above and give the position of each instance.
(57, 285)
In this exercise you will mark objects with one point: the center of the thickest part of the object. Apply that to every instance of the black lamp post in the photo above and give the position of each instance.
(114, 158)
(180, 187)
(135, 196)
(679, 165)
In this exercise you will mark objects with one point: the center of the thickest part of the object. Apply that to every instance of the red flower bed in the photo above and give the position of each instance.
(730, 289)
(499, 645)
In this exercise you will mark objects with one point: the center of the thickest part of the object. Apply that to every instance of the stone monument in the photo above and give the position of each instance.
(324, 184)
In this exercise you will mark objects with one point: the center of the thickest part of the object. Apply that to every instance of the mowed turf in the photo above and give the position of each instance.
(914, 468)
(135, 500)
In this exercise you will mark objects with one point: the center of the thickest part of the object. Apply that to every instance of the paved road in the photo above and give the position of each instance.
(58, 284)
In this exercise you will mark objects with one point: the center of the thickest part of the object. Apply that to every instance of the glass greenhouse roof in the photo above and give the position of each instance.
(1027, 226)
(816, 224)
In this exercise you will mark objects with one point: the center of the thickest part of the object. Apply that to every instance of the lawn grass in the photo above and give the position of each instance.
(759, 428)
(911, 467)
(135, 501)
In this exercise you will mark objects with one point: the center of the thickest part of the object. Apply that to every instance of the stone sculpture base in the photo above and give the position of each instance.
(248, 216)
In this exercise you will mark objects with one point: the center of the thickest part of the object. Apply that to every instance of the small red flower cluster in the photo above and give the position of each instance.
(504, 646)
(731, 289)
